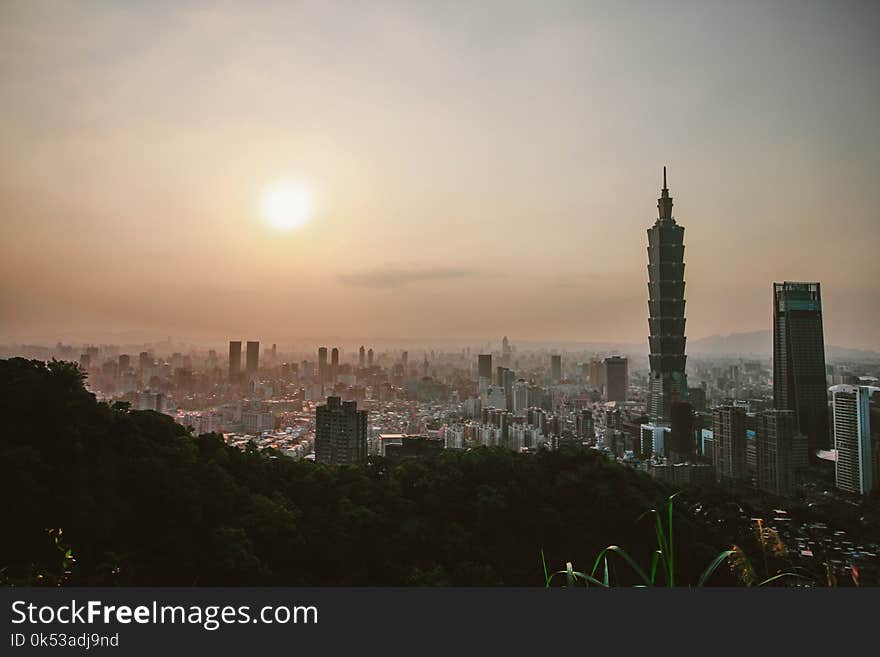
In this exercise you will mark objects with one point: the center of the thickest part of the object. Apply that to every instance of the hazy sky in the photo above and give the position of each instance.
(479, 168)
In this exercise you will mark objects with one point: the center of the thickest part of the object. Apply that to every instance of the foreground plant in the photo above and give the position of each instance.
(663, 559)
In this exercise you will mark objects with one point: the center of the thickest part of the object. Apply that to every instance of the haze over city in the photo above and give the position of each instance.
(431, 171)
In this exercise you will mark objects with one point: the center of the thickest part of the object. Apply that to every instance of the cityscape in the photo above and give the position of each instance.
(791, 427)
(408, 294)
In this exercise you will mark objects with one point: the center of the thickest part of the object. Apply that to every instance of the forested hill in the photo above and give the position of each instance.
(142, 502)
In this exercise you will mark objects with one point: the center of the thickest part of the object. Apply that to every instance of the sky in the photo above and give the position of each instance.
(477, 168)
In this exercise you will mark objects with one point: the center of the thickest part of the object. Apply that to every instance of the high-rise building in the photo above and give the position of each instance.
(369, 357)
(340, 432)
(322, 365)
(234, 360)
(729, 442)
(253, 358)
(334, 364)
(484, 366)
(616, 378)
(361, 356)
(124, 362)
(597, 373)
(506, 352)
(584, 426)
(508, 378)
(681, 435)
(654, 440)
(404, 360)
(853, 471)
(781, 451)
(799, 359)
(697, 398)
(555, 368)
(520, 396)
(668, 381)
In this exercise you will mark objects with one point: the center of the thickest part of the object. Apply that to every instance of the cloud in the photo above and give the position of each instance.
(393, 278)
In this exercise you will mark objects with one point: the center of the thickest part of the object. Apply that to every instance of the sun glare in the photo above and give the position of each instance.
(286, 205)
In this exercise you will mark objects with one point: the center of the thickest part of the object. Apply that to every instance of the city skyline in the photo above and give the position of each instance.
(132, 208)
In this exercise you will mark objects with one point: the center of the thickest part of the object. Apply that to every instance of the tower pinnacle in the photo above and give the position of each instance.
(664, 203)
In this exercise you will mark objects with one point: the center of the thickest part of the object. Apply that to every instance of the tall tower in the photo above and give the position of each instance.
(253, 358)
(668, 381)
(799, 359)
(362, 356)
(234, 360)
(322, 365)
(334, 364)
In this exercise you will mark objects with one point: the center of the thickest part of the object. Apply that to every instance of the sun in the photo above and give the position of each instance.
(286, 205)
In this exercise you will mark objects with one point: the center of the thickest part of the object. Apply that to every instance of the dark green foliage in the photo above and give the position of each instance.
(142, 502)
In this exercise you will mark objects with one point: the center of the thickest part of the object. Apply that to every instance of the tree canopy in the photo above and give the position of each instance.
(140, 501)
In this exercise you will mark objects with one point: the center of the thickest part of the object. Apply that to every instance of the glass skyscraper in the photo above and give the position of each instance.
(668, 381)
(799, 359)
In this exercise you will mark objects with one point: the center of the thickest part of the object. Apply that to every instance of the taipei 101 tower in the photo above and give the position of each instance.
(668, 381)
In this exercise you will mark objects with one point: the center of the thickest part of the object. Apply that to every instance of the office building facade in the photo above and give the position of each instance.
(799, 359)
(853, 471)
(729, 443)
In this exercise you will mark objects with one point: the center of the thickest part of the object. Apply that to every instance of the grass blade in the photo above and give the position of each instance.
(780, 576)
(618, 550)
(654, 559)
(671, 564)
(717, 561)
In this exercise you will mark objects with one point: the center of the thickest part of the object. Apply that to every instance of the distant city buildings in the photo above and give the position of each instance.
(799, 359)
(666, 321)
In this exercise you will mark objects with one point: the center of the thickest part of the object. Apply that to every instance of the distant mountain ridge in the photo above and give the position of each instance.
(760, 343)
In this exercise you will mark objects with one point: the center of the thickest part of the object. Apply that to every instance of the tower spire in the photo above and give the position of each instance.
(664, 203)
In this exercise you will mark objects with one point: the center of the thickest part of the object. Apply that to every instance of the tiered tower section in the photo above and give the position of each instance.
(668, 381)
